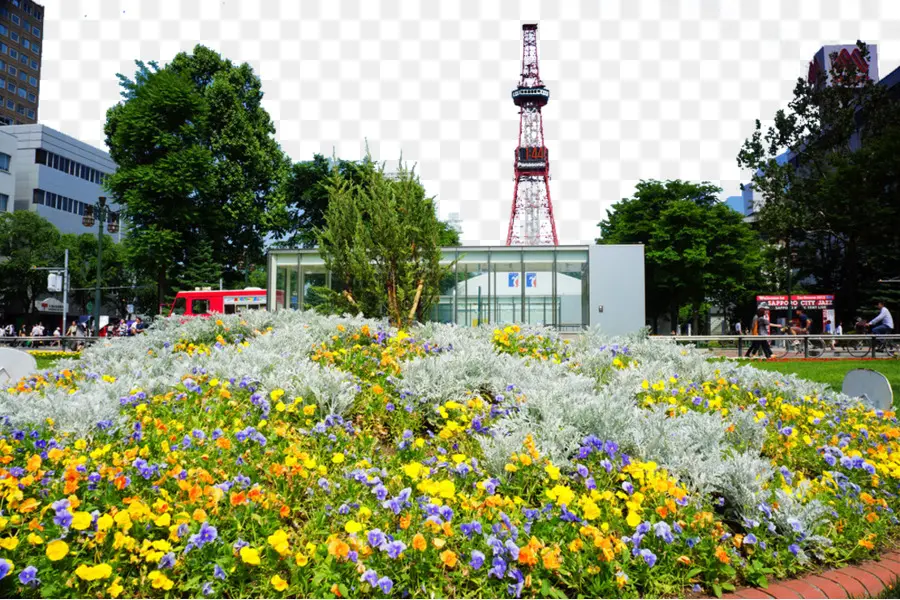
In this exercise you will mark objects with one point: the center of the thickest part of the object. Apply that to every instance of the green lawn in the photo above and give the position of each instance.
(832, 372)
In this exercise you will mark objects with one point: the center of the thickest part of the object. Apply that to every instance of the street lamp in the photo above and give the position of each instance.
(101, 212)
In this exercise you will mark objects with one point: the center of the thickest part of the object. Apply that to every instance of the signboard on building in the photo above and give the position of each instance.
(820, 301)
(49, 305)
(530, 280)
(821, 64)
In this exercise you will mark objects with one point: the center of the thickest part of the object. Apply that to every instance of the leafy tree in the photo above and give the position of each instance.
(307, 200)
(696, 249)
(201, 268)
(26, 240)
(197, 161)
(381, 243)
(835, 203)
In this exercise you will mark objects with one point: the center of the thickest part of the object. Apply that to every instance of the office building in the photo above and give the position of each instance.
(21, 42)
(565, 287)
(56, 176)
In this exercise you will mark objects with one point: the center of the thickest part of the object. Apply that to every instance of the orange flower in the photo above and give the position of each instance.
(448, 557)
(662, 511)
(334, 588)
(338, 548)
(34, 463)
(224, 443)
(405, 520)
(551, 558)
(237, 498)
(285, 511)
(196, 492)
(255, 493)
(418, 542)
(683, 560)
(29, 505)
(866, 544)
(527, 556)
(376, 389)
(722, 555)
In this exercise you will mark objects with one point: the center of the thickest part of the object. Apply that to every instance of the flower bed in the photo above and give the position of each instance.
(54, 354)
(291, 454)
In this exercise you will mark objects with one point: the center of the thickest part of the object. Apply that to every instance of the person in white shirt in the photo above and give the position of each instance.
(884, 322)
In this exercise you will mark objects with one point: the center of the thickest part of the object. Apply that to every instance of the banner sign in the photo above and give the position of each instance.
(813, 301)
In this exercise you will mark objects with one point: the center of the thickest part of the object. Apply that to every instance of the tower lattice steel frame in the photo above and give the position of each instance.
(531, 220)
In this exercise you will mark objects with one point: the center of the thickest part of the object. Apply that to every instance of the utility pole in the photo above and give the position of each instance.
(65, 295)
(101, 211)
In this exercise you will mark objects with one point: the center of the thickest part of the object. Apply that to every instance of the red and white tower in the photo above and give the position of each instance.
(531, 221)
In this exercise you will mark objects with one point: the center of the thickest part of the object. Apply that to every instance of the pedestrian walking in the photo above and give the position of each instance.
(759, 325)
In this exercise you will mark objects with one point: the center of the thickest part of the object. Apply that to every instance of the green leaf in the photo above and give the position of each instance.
(717, 590)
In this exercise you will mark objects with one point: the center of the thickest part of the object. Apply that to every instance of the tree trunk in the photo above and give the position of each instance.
(696, 319)
(412, 311)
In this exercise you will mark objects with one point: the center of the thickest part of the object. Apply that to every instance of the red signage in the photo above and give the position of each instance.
(816, 301)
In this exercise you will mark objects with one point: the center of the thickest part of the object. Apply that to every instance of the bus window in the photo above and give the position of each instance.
(229, 309)
(199, 307)
(179, 306)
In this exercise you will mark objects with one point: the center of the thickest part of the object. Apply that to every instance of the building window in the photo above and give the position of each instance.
(4, 203)
(20, 109)
(13, 53)
(4, 48)
(23, 94)
(26, 44)
(31, 114)
(11, 86)
(34, 64)
(15, 19)
(33, 80)
(40, 156)
(12, 70)
(23, 59)
(4, 30)
(38, 197)
(14, 36)
(15, 3)
(11, 105)
(36, 32)
(32, 97)
(23, 76)
(4, 162)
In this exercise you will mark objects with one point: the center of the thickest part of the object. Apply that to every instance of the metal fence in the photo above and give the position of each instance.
(857, 345)
(46, 342)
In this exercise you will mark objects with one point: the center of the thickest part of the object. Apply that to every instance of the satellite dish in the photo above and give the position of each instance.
(14, 365)
(871, 387)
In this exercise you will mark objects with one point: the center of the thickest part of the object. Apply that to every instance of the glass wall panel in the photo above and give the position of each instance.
(538, 287)
(472, 289)
(571, 289)
(506, 285)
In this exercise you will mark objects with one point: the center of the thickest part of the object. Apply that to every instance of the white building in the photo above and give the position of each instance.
(8, 146)
(55, 175)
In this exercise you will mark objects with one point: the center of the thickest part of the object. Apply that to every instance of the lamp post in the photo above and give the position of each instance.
(99, 211)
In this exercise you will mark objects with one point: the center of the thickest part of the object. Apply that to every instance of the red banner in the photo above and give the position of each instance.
(815, 301)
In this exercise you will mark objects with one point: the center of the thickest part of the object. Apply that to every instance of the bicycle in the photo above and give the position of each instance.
(888, 347)
(815, 347)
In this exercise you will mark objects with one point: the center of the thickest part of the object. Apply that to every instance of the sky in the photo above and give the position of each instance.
(639, 89)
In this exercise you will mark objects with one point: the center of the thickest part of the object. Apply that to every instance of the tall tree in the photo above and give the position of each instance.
(307, 200)
(381, 243)
(696, 249)
(835, 203)
(197, 161)
(118, 280)
(26, 240)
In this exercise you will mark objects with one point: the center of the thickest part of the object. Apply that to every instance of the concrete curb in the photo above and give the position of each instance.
(866, 580)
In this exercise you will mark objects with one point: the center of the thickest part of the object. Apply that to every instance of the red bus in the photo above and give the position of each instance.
(204, 302)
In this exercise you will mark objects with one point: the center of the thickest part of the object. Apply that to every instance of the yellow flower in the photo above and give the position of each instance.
(634, 519)
(249, 555)
(34, 539)
(552, 471)
(160, 581)
(279, 542)
(164, 521)
(338, 458)
(412, 470)
(280, 407)
(278, 583)
(114, 588)
(591, 510)
(277, 394)
(57, 550)
(561, 495)
(101, 571)
(353, 527)
(301, 559)
(309, 410)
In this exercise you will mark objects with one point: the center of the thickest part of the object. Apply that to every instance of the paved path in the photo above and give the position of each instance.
(866, 580)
